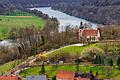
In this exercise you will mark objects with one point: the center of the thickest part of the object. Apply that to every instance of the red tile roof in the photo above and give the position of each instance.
(90, 32)
(69, 75)
(9, 78)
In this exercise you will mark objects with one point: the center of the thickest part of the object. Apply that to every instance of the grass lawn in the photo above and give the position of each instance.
(51, 71)
(8, 66)
(18, 20)
(71, 50)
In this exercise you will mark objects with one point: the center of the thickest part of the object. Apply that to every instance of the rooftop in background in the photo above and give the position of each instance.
(9, 78)
(41, 77)
(68, 75)
(90, 32)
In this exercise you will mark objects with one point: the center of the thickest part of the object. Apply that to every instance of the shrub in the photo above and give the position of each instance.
(92, 53)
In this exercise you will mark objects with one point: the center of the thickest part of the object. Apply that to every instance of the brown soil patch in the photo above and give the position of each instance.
(23, 16)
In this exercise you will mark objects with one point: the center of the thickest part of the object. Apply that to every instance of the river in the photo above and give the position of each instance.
(63, 18)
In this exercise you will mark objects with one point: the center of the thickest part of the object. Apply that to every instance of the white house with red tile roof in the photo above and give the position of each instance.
(89, 34)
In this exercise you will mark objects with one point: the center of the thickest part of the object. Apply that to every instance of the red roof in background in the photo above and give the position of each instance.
(9, 78)
(90, 32)
(65, 75)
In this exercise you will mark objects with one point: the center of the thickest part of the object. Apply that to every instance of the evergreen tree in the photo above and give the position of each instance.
(56, 65)
(96, 60)
(77, 61)
(111, 62)
(77, 67)
(102, 60)
(118, 61)
(99, 60)
(14, 64)
(42, 69)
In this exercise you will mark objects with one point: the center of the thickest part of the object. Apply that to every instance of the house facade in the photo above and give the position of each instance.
(89, 35)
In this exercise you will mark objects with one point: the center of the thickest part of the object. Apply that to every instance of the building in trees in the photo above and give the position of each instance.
(88, 34)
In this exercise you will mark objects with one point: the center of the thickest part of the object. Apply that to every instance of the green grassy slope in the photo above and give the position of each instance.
(8, 66)
(71, 50)
(13, 20)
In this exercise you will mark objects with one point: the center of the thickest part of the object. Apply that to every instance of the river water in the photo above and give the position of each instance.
(63, 18)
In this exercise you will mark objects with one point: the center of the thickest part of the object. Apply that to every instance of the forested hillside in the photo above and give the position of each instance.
(5, 6)
(99, 11)
(100, 15)
(81, 2)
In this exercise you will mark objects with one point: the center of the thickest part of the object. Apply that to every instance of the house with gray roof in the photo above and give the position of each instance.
(41, 77)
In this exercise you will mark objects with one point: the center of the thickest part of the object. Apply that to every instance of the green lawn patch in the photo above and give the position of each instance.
(8, 66)
(71, 50)
(18, 19)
